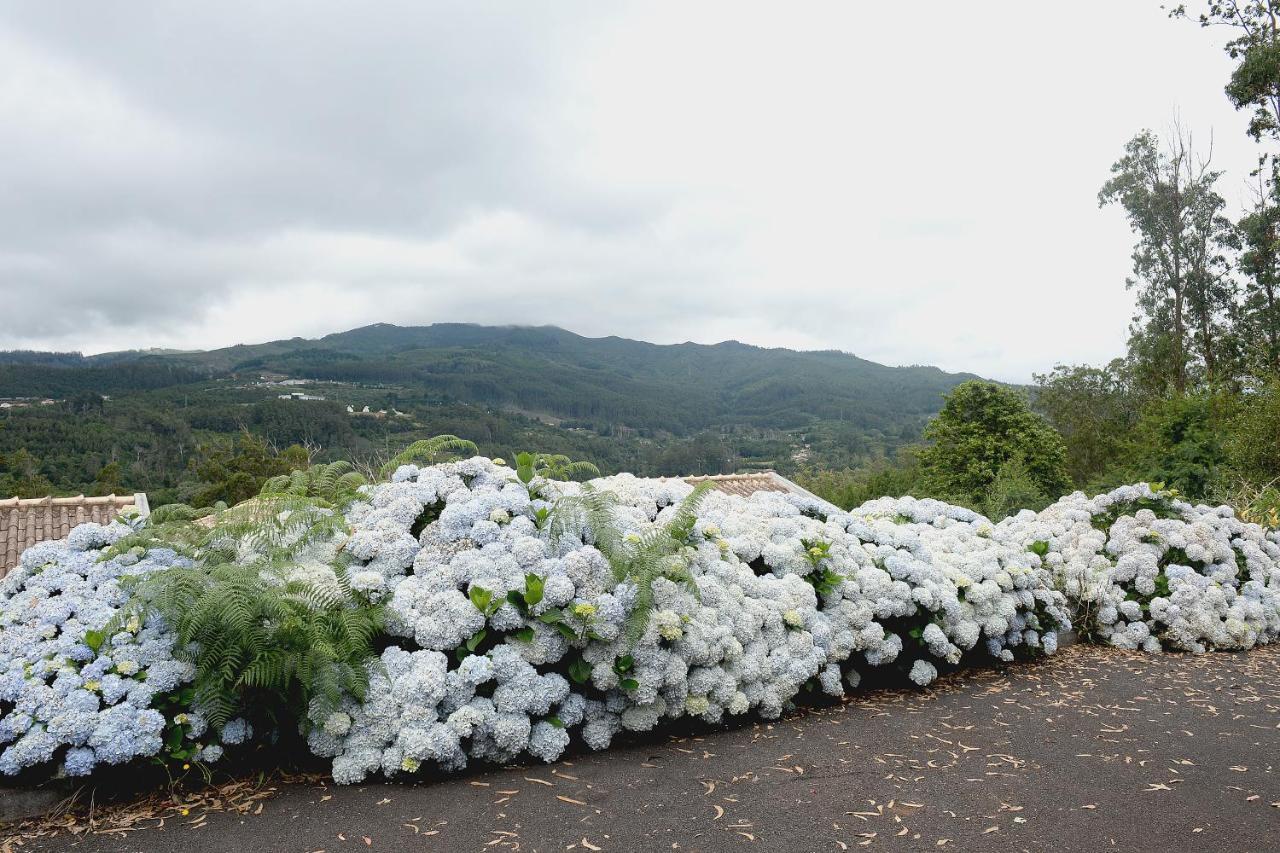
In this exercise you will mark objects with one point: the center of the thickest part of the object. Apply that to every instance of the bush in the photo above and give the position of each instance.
(982, 427)
(1012, 490)
(467, 611)
(1146, 570)
(518, 638)
(77, 690)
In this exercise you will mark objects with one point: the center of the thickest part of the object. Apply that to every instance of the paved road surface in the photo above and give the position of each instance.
(1094, 750)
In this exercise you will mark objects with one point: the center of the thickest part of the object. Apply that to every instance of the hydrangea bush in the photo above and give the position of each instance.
(1146, 570)
(76, 693)
(517, 641)
(521, 613)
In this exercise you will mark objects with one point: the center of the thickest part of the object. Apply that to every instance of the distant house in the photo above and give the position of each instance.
(747, 485)
(26, 521)
(298, 395)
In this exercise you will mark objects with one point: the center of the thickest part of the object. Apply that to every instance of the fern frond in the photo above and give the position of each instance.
(659, 552)
(430, 450)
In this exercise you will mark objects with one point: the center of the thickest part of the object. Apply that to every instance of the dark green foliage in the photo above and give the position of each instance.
(268, 642)
(1094, 409)
(107, 481)
(853, 487)
(1252, 442)
(310, 423)
(21, 475)
(1258, 241)
(258, 629)
(1179, 442)
(335, 483)
(1013, 490)
(236, 471)
(982, 427)
(46, 380)
(682, 389)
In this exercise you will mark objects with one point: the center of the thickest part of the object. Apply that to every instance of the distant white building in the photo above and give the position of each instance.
(298, 395)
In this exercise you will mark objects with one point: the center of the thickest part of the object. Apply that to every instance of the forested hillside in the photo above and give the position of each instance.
(150, 420)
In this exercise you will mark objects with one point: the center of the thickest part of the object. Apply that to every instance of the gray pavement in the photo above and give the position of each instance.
(1093, 750)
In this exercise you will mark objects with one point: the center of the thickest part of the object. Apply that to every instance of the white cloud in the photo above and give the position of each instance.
(913, 189)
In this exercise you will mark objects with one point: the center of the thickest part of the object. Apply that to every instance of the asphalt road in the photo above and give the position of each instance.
(1094, 750)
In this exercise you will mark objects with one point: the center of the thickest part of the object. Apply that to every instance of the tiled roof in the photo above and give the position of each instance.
(748, 484)
(26, 521)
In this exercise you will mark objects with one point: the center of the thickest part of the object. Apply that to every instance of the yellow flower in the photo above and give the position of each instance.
(793, 618)
(186, 812)
(499, 461)
(410, 765)
(584, 610)
(92, 685)
(186, 767)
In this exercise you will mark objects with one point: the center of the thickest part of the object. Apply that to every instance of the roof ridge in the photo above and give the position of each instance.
(76, 500)
(745, 476)
(27, 521)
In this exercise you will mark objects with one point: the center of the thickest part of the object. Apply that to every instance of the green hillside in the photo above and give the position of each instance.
(647, 407)
(677, 388)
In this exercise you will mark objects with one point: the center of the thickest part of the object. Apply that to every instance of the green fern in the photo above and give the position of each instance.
(534, 470)
(592, 510)
(258, 636)
(175, 526)
(257, 640)
(659, 553)
(337, 483)
(430, 450)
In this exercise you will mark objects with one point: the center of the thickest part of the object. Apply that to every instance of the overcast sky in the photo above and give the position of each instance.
(912, 189)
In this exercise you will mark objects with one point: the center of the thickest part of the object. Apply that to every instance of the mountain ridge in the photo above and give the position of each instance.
(596, 383)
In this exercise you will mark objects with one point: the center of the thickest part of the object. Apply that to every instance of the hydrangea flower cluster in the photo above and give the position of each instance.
(513, 634)
(513, 642)
(1145, 570)
(69, 692)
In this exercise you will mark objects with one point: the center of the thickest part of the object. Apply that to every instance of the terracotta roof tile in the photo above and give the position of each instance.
(26, 521)
(748, 484)
(743, 484)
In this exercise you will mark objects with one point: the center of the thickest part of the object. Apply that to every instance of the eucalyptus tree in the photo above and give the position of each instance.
(1254, 46)
(1257, 238)
(1094, 409)
(1179, 266)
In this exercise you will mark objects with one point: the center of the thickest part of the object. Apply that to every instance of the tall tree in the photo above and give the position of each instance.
(1255, 46)
(1179, 268)
(1255, 85)
(1257, 238)
(982, 428)
(1094, 409)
